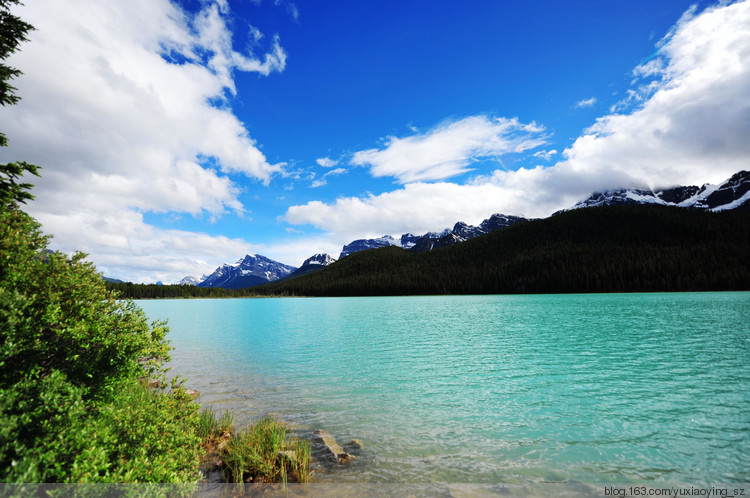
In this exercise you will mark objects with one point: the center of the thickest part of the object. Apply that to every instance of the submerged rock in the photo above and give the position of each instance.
(354, 446)
(326, 449)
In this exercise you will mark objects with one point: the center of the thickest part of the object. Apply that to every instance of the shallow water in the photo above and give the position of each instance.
(604, 388)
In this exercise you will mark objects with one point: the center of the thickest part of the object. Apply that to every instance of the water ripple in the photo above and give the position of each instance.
(589, 388)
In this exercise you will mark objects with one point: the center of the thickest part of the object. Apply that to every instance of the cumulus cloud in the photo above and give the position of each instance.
(117, 110)
(127, 248)
(449, 149)
(416, 207)
(694, 121)
(687, 121)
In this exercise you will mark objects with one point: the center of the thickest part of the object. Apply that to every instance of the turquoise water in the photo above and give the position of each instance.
(606, 388)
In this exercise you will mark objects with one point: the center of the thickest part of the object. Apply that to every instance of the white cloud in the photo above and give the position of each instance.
(691, 125)
(586, 103)
(290, 7)
(326, 162)
(337, 171)
(416, 207)
(449, 149)
(545, 154)
(322, 180)
(694, 122)
(118, 130)
(125, 247)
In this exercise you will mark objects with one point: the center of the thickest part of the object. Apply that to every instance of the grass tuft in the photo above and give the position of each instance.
(264, 453)
(210, 427)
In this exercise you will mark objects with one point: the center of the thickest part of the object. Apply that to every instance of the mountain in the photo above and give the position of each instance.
(112, 280)
(433, 240)
(249, 271)
(462, 232)
(191, 280)
(312, 264)
(406, 241)
(732, 194)
(623, 248)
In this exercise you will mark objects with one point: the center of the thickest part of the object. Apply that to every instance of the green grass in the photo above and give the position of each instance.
(266, 452)
(211, 427)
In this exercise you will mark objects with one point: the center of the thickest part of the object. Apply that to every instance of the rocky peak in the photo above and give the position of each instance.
(319, 259)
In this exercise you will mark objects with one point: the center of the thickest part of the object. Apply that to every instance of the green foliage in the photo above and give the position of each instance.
(154, 291)
(11, 191)
(13, 32)
(211, 428)
(71, 408)
(141, 436)
(608, 249)
(264, 452)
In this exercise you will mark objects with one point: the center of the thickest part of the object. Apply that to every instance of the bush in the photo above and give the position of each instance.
(67, 348)
(72, 408)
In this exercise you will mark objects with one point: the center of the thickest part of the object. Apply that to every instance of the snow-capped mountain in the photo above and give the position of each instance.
(312, 264)
(433, 240)
(247, 272)
(462, 232)
(256, 269)
(318, 260)
(731, 194)
(191, 280)
(406, 241)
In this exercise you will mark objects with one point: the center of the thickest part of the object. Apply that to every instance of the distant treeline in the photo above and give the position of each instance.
(606, 249)
(156, 291)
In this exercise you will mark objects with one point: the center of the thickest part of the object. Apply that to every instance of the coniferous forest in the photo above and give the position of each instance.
(605, 249)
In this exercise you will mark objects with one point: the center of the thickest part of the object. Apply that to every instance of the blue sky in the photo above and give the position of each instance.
(176, 136)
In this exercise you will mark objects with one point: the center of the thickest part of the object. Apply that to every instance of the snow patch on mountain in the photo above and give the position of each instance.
(433, 240)
(253, 269)
(730, 194)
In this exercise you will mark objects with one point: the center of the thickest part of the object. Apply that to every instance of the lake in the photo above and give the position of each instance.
(598, 388)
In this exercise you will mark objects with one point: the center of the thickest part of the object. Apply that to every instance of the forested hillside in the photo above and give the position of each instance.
(607, 249)
(156, 291)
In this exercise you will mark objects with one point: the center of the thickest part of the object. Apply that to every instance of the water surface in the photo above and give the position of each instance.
(602, 388)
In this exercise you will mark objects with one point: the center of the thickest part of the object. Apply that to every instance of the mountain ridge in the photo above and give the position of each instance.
(731, 194)
(626, 248)
(734, 193)
(249, 271)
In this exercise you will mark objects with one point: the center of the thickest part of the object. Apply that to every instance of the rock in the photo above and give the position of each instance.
(354, 446)
(326, 449)
(192, 393)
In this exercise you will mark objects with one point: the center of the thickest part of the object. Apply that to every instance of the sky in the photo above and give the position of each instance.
(175, 136)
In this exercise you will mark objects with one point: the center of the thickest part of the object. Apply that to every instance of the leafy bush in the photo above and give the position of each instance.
(142, 436)
(67, 346)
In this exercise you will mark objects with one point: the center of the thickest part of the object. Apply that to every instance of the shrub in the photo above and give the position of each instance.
(66, 347)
